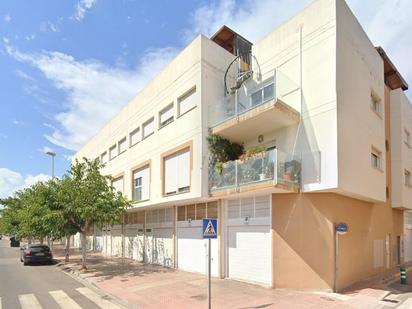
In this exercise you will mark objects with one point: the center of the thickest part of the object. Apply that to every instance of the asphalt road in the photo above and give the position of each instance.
(41, 286)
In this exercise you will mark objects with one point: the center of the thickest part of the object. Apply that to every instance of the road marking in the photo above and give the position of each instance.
(29, 301)
(407, 304)
(0, 302)
(64, 300)
(97, 299)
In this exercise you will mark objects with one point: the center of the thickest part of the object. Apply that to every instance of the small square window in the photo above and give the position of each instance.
(103, 157)
(407, 137)
(134, 137)
(112, 152)
(148, 128)
(166, 115)
(407, 178)
(187, 102)
(122, 145)
(376, 103)
(376, 160)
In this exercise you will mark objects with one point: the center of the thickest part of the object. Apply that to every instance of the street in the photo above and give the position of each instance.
(41, 286)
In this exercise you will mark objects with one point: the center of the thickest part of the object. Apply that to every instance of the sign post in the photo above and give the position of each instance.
(340, 229)
(209, 231)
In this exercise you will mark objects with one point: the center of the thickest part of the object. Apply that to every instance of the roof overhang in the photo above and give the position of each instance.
(393, 78)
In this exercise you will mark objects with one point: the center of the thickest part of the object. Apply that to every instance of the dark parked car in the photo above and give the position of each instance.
(35, 253)
(14, 242)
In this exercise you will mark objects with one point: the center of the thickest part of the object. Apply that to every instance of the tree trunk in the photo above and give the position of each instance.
(41, 240)
(84, 246)
(29, 241)
(67, 249)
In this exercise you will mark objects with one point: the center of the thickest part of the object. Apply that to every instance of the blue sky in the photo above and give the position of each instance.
(67, 67)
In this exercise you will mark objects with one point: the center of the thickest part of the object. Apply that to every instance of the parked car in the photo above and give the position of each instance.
(35, 253)
(14, 242)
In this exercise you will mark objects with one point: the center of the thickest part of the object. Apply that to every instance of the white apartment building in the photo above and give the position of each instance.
(327, 110)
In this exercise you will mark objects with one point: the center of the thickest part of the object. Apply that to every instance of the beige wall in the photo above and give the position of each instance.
(359, 72)
(304, 241)
(280, 50)
(401, 120)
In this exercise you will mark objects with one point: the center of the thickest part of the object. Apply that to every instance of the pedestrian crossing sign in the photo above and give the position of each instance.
(209, 228)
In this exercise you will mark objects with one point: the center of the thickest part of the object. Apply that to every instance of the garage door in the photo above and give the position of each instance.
(191, 248)
(159, 237)
(107, 241)
(248, 243)
(117, 240)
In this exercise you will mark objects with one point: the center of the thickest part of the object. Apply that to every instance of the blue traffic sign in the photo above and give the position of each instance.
(209, 229)
(341, 228)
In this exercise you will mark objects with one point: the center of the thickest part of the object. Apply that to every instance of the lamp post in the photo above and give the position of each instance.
(52, 155)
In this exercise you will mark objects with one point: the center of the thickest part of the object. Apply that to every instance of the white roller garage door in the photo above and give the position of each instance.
(159, 237)
(191, 247)
(408, 236)
(248, 239)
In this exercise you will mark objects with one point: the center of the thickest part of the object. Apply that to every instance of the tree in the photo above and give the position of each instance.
(90, 200)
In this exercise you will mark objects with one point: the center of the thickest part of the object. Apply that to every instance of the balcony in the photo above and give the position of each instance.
(271, 169)
(257, 107)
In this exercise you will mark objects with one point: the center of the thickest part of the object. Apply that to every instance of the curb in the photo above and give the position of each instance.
(105, 295)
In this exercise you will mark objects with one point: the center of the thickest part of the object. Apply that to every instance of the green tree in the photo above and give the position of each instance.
(90, 200)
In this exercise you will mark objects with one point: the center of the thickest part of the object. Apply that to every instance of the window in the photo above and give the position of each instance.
(376, 158)
(407, 138)
(166, 115)
(141, 183)
(134, 137)
(103, 157)
(117, 184)
(122, 145)
(187, 102)
(262, 95)
(407, 178)
(112, 152)
(177, 172)
(375, 103)
(148, 127)
(197, 212)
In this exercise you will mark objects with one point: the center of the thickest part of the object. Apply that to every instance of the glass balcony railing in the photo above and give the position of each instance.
(272, 165)
(253, 94)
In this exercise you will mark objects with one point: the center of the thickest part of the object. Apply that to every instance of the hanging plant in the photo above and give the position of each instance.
(223, 150)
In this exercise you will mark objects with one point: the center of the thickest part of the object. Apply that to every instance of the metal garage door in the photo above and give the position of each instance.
(117, 240)
(248, 239)
(408, 236)
(159, 237)
(191, 248)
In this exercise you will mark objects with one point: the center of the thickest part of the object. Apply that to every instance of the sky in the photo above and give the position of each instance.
(67, 67)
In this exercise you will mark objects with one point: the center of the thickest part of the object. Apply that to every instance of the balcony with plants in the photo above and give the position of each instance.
(233, 168)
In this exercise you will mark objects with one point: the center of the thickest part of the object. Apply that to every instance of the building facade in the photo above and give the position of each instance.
(325, 125)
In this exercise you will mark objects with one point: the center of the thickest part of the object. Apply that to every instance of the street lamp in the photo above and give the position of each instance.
(52, 154)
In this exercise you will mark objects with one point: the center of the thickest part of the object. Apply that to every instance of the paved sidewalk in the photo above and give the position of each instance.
(150, 286)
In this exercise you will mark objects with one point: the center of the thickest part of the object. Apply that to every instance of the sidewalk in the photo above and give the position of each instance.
(151, 286)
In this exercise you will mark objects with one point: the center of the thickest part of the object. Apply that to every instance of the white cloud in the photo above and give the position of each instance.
(46, 26)
(387, 23)
(7, 18)
(30, 37)
(11, 181)
(94, 92)
(252, 19)
(6, 40)
(81, 7)
(17, 122)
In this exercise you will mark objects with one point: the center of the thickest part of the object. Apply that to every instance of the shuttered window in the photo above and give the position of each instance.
(177, 172)
(112, 152)
(134, 137)
(103, 157)
(117, 184)
(187, 102)
(166, 115)
(141, 190)
(148, 127)
(122, 145)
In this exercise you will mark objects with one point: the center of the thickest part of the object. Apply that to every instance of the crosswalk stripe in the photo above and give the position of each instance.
(97, 299)
(29, 301)
(64, 300)
(0, 302)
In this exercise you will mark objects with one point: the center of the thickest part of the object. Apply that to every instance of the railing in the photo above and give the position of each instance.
(253, 94)
(272, 165)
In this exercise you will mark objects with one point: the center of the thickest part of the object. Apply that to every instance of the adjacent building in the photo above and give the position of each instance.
(324, 121)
